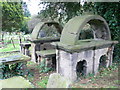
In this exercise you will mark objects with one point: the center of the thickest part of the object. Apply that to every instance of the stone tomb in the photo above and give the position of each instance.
(78, 55)
(43, 34)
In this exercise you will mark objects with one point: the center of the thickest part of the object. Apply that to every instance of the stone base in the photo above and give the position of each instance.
(71, 65)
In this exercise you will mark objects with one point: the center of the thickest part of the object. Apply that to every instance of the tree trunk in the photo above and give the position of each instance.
(20, 41)
(13, 42)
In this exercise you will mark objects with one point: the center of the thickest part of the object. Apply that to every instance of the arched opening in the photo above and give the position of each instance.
(100, 29)
(102, 62)
(48, 30)
(86, 33)
(81, 68)
(94, 29)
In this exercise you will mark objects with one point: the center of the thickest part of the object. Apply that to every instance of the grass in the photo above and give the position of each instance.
(43, 82)
(10, 47)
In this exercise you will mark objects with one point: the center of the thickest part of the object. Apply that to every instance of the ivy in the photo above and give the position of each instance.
(7, 71)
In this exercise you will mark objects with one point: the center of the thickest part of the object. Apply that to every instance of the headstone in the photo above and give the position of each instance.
(15, 82)
(58, 81)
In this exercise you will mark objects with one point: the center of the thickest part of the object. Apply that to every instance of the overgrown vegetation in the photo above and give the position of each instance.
(43, 68)
(106, 78)
(10, 47)
(12, 70)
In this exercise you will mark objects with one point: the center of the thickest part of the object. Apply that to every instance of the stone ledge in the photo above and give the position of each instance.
(14, 58)
(46, 39)
(46, 53)
(84, 45)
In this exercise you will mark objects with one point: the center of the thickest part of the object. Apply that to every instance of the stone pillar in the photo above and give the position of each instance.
(22, 50)
(35, 47)
(97, 55)
(25, 48)
(111, 55)
(65, 65)
(27, 51)
(57, 60)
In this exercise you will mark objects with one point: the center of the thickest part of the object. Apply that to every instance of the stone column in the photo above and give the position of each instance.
(25, 48)
(97, 55)
(27, 51)
(65, 65)
(35, 47)
(111, 55)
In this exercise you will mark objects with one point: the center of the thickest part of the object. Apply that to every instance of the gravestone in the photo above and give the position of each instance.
(15, 82)
(58, 81)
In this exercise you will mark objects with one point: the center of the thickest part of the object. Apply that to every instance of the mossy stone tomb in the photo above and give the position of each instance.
(43, 34)
(78, 55)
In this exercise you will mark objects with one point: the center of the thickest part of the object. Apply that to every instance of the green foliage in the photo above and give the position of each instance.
(24, 27)
(10, 47)
(110, 12)
(43, 67)
(12, 70)
(60, 11)
(12, 16)
(43, 83)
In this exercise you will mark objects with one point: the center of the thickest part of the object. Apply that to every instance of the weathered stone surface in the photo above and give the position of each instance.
(14, 58)
(67, 62)
(25, 48)
(40, 25)
(83, 45)
(70, 33)
(58, 81)
(37, 42)
(46, 53)
(15, 82)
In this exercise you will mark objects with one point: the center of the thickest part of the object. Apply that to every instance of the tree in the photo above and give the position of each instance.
(12, 16)
(62, 11)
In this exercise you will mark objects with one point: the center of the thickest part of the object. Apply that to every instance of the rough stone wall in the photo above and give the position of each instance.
(67, 62)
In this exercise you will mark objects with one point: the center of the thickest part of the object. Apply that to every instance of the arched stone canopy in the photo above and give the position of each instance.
(71, 31)
(40, 25)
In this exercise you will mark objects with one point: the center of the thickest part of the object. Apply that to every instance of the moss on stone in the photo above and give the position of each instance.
(72, 29)
(85, 45)
(16, 57)
(45, 39)
(46, 53)
(58, 81)
(15, 82)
